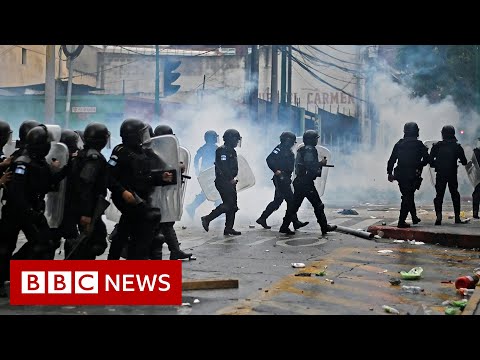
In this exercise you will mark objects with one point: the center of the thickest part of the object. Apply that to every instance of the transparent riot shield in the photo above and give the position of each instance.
(185, 158)
(473, 170)
(55, 200)
(112, 213)
(168, 198)
(245, 177)
(320, 182)
(431, 171)
(9, 148)
(54, 132)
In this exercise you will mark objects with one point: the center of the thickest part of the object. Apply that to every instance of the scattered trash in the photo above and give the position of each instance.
(413, 274)
(412, 289)
(447, 282)
(112, 309)
(251, 226)
(390, 310)
(373, 217)
(184, 227)
(382, 272)
(347, 212)
(358, 232)
(384, 251)
(468, 282)
(298, 265)
(371, 309)
(267, 250)
(394, 282)
(196, 301)
(68, 307)
(421, 212)
(398, 241)
(413, 242)
(320, 273)
(452, 311)
(377, 237)
(465, 292)
(306, 274)
(186, 304)
(380, 233)
(330, 281)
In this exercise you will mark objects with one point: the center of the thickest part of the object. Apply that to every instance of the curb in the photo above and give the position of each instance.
(466, 241)
(472, 304)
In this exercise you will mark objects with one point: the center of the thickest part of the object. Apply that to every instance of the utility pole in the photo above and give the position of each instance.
(283, 80)
(157, 83)
(289, 75)
(50, 85)
(274, 84)
(69, 91)
(254, 84)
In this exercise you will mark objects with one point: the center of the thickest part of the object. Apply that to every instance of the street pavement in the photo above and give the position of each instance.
(356, 280)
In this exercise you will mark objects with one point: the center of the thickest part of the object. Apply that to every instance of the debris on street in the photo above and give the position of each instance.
(399, 241)
(305, 274)
(196, 301)
(298, 265)
(358, 232)
(390, 310)
(394, 281)
(347, 212)
(413, 274)
(385, 251)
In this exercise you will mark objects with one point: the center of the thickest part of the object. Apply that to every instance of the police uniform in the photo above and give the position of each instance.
(281, 159)
(226, 170)
(132, 171)
(87, 181)
(443, 157)
(412, 156)
(476, 192)
(23, 211)
(307, 169)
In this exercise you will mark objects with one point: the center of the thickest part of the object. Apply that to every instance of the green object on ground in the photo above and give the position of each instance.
(460, 303)
(413, 274)
(452, 311)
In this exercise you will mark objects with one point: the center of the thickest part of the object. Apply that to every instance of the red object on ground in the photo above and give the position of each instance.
(467, 282)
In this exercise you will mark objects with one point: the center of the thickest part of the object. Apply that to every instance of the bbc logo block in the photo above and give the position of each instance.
(96, 282)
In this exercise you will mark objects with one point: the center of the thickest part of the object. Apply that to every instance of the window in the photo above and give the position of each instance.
(24, 56)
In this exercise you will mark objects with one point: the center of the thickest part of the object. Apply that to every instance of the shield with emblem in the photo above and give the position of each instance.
(431, 171)
(245, 177)
(323, 153)
(168, 198)
(55, 200)
(472, 169)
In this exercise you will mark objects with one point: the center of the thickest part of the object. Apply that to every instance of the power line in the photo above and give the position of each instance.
(7, 50)
(333, 57)
(341, 50)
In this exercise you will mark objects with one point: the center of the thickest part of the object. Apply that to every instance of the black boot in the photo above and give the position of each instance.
(458, 220)
(205, 223)
(475, 215)
(415, 220)
(231, 232)
(286, 230)
(297, 224)
(439, 219)
(329, 228)
(403, 225)
(179, 255)
(263, 221)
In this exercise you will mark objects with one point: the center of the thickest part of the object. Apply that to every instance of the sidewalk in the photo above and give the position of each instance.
(465, 236)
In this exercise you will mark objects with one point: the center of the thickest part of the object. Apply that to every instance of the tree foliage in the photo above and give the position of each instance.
(438, 71)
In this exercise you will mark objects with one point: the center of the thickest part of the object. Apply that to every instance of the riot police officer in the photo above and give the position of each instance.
(5, 135)
(25, 127)
(476, 192)
(32, 179)
(307, 169)
(226, 171)
(133, 176)
(282, 162)
(167, 232)
(87, 182)
(443, 158)
(206, 155)
(412, 156)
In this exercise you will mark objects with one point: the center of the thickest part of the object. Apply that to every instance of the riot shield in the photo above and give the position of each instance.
(473, 170)
(168, 198)
(9, 148)
(432, 172)
(245, 178)
(185, 158)
(112, 213)
(54, 132)
(55, 200)
(320, 182)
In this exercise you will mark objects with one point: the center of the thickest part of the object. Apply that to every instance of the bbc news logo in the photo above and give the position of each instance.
(95, 282)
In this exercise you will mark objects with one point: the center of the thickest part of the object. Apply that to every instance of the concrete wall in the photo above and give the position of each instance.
(14, 73)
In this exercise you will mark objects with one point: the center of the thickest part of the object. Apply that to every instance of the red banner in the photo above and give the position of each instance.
(96, 282)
